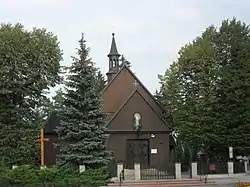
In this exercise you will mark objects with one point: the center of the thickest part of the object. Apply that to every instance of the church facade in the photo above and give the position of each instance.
(138, 131)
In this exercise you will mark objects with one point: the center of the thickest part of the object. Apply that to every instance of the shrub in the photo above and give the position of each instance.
(32, 177)
(50, 176)
(23, 175)
(95, 177)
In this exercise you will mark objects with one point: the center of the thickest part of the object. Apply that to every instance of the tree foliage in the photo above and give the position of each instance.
(125, 61)
(101, 81)
(29, 62)
(57, 100)
(82, 132)
(31, 176)
(206, 90)
(233, 78)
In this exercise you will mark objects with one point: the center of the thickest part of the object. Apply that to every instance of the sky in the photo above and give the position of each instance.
(149, 33)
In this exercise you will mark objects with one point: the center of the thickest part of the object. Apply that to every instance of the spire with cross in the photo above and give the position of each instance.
(113, 59)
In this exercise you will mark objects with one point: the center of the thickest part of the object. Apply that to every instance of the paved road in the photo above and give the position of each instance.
(230, 182)
(220, 185)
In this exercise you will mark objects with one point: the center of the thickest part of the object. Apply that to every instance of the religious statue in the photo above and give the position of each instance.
(137, 121)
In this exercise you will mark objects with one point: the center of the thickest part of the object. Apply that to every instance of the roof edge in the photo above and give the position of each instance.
(138, 80)
(121, 107)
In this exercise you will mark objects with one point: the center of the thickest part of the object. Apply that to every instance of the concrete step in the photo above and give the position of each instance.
(163, 183)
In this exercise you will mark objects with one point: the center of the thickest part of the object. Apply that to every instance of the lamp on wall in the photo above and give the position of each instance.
(152, 135)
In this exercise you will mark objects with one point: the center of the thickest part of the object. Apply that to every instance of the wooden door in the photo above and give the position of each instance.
(137, 151)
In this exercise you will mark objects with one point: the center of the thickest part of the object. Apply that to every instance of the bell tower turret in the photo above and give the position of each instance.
(113, 60)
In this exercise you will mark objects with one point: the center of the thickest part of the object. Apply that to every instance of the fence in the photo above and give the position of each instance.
(239, 167)
(158, 173)
(112, 169)
(218, 168)
(212, 168)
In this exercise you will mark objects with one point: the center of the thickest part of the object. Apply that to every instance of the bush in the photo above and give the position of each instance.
(51, 176)
(24, 176)
(27, 176)
(95, 177)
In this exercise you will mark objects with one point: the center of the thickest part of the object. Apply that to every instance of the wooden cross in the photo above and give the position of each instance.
(42, 140)
(135, 83)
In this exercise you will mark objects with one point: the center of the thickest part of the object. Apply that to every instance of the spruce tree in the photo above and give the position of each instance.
(125, 61)
(101, 81)
(57, 100)
(82, 132)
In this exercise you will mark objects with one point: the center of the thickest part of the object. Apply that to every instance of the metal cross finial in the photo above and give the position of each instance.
(135, 83)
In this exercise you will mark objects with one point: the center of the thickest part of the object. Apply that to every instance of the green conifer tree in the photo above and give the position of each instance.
(82, 132)
(101, 81)
(125, 61)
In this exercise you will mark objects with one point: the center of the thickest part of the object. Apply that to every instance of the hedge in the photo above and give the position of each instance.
(27, 176)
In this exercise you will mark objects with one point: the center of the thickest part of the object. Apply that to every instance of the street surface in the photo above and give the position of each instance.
(229, 182)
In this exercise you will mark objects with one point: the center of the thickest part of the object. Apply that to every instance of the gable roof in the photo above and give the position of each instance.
(137, 91)
(138, 80)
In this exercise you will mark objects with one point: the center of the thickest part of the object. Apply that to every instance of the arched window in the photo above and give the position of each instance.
(110, 64)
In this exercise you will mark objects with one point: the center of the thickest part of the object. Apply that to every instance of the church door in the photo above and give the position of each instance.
(137, 151)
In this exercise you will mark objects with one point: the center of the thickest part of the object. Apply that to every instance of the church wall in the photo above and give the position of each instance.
(150, 120)
(150, 100)
(50, 150)
(121, 129)
(117, 92)
(121, 88)
(117, 144)
(49, 132)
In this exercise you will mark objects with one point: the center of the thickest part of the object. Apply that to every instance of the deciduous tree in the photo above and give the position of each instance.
(209, 90)
(233, 78)
(29, 65)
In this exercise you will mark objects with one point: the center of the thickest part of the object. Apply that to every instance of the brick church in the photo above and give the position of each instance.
(135, 122)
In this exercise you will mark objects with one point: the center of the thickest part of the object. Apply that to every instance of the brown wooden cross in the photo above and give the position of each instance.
(42, 140)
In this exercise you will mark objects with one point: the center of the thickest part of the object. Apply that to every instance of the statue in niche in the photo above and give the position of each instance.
(137, 121)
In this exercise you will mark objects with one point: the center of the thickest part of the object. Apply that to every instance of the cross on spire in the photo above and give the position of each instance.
(135, 83)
